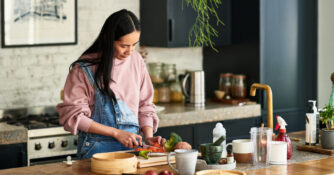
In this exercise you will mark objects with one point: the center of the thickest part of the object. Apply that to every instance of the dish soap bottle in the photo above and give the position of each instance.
(311, 133)
(282, 136)
(217, 132)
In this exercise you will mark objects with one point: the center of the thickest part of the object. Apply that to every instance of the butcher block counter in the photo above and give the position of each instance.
(301, 163)
(82, 167)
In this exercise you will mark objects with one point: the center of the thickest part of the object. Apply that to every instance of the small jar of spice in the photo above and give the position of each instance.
(239, 86)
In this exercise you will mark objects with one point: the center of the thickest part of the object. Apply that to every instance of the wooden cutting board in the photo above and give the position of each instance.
(154, 161)
(316, 148)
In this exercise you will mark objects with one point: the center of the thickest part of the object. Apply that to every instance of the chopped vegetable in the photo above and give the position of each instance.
(144, 153)
(173, 140)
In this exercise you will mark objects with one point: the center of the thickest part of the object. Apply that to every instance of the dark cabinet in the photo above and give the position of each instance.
(166, 23)
(285, 58)
(13, 155)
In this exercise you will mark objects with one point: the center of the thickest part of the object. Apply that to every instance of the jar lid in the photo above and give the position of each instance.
(241, 76)
(226, 75)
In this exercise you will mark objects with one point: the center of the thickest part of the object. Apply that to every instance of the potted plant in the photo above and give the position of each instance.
(327, 136)
(327, 115)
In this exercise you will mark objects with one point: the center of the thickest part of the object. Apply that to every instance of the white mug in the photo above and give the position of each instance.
(185, 161)
(242, 150)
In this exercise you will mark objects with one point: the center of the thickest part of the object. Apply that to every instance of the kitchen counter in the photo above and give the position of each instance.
(176, 114)
(11, 134)
(301, 163)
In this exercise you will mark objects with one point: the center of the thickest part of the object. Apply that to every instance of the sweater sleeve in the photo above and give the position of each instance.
(146, 114)
(74, 111)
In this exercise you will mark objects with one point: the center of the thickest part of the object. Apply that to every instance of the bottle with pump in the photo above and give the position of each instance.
(312, 121)
(282, 136)
(217, 132)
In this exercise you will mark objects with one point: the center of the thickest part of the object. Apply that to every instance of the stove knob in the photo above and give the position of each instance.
(64, 143)
(38, 146)
(75, 142)
(51, 145)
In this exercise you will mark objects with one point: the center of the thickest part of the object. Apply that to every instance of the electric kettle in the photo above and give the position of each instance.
(193, 88)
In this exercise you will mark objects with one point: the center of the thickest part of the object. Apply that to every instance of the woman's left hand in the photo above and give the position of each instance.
(155, 139)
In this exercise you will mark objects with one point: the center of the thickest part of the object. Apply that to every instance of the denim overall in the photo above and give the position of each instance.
(89, 143)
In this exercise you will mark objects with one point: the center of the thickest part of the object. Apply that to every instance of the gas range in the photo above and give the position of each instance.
(46, 137)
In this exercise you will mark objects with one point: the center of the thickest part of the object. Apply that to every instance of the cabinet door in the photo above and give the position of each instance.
(165, 23)
(13, 155)
(180, 20)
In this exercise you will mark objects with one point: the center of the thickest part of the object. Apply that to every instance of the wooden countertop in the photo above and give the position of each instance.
(82, 167)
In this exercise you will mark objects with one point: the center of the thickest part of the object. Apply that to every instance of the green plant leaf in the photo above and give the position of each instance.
(327, 116)
(202, 29)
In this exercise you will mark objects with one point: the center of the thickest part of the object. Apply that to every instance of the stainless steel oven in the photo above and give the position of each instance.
(47, 140)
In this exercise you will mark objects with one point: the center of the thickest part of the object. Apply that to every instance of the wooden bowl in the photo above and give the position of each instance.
(220, 172)
(113, 163)
(219, 94)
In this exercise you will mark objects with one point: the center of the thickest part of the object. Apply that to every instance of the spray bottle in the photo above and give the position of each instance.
(217, 132)
(282, 136)
(311, 134)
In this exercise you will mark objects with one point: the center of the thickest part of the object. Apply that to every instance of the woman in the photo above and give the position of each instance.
(108, 92)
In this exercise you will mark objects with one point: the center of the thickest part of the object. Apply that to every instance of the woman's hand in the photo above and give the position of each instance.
(155, 139)
(128, 139)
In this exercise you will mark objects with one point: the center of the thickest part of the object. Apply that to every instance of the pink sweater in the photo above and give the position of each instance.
(132, 84)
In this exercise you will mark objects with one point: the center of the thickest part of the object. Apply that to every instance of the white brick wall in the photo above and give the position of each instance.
(34, 76)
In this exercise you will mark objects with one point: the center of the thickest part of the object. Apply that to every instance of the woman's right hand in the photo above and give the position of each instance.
(128, 139)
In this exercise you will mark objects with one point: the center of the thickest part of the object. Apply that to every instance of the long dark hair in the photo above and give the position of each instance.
(117, 25)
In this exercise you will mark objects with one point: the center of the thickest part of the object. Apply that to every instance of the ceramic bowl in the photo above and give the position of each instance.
(211, 154)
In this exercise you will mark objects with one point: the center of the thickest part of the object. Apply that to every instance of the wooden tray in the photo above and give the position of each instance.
(316, 148)
(231, 101)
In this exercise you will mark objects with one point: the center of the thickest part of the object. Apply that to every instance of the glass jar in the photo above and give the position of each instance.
(176, 94)
(156, 93)
(239, 86)
(169, 73)
(225, 84)
(156, 74)
(164, 93)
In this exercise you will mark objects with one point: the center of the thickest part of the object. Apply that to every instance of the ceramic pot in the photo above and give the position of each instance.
(211, 154)
(327, 139)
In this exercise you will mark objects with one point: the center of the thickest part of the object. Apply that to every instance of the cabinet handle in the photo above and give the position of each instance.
(170, 29)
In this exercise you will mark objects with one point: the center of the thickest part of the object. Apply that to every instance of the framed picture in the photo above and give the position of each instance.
(38, 22)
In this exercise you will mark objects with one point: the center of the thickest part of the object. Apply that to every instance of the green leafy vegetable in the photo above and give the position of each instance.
(173, 140)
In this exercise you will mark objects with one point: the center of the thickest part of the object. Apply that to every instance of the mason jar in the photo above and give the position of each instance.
(169, 73)
(239, 86)
(156, 74)
(225, 84)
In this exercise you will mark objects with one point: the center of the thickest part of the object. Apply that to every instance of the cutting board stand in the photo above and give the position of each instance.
(316, 148)
(154, 161)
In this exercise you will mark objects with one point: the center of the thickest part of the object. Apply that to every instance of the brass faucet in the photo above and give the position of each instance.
(269, 100)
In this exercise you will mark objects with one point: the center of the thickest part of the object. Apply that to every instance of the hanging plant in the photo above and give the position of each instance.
(202, 30)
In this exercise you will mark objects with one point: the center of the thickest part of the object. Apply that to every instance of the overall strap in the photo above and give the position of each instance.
(88, 71)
